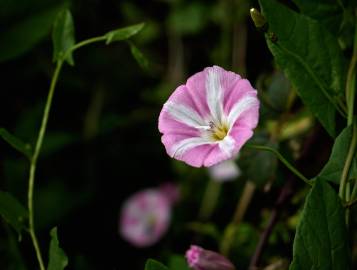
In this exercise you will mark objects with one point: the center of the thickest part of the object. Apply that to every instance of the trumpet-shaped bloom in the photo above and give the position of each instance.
(208, 119)
(145, 217)
(202, 259)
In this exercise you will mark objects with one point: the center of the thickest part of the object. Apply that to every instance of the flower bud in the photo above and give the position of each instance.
(202, 259)
(259, 20)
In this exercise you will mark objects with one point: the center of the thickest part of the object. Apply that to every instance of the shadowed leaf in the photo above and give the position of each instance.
(16, 143)
(328, 12)
(63, 36)
(13, 211)
(24, 35)
(123, 33)
(57, 258)
(139, 57)
(332, 171)
(178, 262)
(154, 265)
(311, 59)
(321, 236)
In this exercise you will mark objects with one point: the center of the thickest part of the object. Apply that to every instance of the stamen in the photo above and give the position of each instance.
(218, 132)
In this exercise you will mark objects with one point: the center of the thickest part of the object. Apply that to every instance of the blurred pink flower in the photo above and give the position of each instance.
(145, 216)
(208, 119)
(202, 259)
(227, 170)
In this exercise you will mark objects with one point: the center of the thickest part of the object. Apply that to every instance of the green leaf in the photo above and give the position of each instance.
(25, 34)
(332, 171)
(13, 211)
(57, 258)
(154, 265)
(178, 262)
(321, 240)
(123, 33)
(311, 59)
(11, 253)
(328, 12)
(16, 143)
(139, 57)
(63, 36)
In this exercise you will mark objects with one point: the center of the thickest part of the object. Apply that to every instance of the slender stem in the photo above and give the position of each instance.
(34, 163)
(351, 79)
(354, 190)
(346, 168)
(244, 201)
(351, 203)
(83, 43)
(39, 142)
(283, 160)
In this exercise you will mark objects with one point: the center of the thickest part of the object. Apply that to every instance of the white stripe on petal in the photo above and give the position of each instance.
(242, 105)
(183, 146)
(214, 94)
(185, 115)
(227, 145)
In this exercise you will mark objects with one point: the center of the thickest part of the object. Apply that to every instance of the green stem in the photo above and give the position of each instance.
(351, 79)
(34, 163)
(346, 168)
(354, 190)
(83, 43)
(351, 203)
(283, 160)
(39, 142)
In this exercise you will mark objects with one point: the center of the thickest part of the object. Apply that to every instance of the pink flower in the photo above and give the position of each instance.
(202, 259)
(145, 217)
(208, 119)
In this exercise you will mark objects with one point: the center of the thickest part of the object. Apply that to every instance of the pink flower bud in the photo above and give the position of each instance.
(202, 259)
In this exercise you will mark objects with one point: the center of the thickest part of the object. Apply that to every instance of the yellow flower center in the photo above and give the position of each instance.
(219, 132)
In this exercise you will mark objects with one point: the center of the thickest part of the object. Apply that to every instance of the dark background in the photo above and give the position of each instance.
(102, 142)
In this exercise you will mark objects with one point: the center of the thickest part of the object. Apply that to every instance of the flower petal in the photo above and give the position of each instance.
(237, 91)
(214, 93)
(245, 103)
(227, 146)
(197, 156)
(183, 146)
(145, 217)
(240, 135)
(182, 108)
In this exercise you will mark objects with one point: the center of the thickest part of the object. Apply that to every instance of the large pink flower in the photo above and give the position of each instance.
(208, 119)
